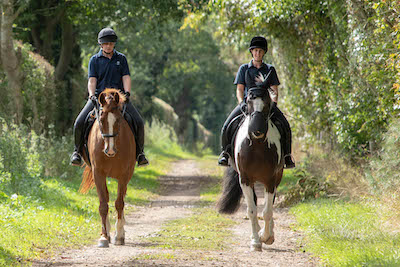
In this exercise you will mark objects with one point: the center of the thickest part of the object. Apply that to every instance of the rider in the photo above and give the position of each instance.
(258, 48)
(108, 69)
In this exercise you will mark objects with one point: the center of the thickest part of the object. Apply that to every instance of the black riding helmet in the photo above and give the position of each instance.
(107, 35)
(258, 42)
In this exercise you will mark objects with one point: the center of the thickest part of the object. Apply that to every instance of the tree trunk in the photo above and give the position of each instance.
(11, 61)
(66, 49)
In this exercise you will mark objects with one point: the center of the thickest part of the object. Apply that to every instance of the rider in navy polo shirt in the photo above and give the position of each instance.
(108, 69)
(258, 48)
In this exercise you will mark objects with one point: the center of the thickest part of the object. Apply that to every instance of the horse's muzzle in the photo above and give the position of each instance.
(110, 152)
(257, 126)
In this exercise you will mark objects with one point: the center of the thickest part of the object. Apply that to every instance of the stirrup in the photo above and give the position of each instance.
(289, 163)
(223, 159)
(76, 159)
(141, 160)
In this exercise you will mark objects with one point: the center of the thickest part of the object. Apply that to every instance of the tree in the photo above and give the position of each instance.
(11, 60)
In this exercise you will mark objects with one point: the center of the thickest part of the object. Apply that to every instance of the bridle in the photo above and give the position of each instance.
(99, 108)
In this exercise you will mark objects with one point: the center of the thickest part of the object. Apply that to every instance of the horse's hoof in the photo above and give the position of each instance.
(119, 242)
(103, 243)
(255, 247)
(269, 241)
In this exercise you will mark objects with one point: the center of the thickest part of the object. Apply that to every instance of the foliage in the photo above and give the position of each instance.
(347, 234)
(338, 60)
(383, 173)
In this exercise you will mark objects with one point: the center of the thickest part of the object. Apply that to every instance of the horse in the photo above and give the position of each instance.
(258, 157)
(111, 153)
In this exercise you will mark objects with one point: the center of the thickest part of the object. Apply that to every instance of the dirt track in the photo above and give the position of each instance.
(180, 192)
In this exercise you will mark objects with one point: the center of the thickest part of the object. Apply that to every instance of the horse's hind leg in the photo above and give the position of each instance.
(119, 238)
(267, 233)
(102, 192)
(252, 213)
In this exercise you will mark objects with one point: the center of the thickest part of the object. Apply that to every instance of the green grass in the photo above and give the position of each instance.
(348, 234)
(205, 230)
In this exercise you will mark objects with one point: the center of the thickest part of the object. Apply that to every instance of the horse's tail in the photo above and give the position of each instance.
(231, 193)
(87, 180)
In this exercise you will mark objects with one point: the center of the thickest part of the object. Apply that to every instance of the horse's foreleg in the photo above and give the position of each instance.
(102, 193)
(252, 213)
(119, 238)
(267, 233)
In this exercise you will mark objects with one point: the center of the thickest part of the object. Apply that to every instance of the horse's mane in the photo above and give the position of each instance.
(122, 97)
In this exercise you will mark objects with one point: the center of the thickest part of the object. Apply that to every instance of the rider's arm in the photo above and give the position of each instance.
(240, 92)
(92, 86)
(275, 93)
(126, 80)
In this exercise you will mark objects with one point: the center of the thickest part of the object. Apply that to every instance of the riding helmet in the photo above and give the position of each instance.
(259, 42)
(107, 35)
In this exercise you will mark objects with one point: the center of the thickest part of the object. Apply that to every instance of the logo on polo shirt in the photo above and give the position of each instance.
(118, 63)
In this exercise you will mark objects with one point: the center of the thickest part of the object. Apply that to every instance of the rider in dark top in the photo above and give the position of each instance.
(108, 69)
(258, 48)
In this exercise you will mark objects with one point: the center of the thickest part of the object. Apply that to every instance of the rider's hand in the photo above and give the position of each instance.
(127, 95)
(243, 106)
(93, 98)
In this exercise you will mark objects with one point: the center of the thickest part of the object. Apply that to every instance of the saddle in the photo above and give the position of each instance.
(89, 121)
(234, 126)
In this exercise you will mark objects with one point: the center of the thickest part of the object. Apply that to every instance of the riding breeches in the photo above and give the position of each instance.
(277, 118)
(79, 126)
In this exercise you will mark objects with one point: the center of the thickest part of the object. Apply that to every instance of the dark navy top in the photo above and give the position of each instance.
(253, 72)
(109, 72)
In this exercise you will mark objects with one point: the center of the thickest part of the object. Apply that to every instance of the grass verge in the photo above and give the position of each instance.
(205, 229)
(348, 234)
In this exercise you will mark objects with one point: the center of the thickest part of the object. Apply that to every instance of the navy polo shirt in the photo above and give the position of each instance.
(253, 72)
(109, 72)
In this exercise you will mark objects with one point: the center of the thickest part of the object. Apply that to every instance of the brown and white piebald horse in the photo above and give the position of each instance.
(112, 153)
(258, 157)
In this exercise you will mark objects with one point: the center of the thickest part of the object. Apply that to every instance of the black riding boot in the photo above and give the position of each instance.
(279, 119)
(79, 127)
(225, 139)
(139, 135)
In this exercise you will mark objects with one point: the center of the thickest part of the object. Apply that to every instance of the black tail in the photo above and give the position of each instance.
(231, 193)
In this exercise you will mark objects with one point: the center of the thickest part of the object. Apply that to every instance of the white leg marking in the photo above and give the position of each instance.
(258, 104)
(119, 227)
(252, 213)
(108, 226)
(267, 233)
(274, 137)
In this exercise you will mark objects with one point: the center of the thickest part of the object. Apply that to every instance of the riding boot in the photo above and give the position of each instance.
(76, 159)
(287, 149)
(223, 159)
(280, 121)
(79, 127)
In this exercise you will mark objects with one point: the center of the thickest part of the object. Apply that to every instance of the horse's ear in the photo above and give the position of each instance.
(249, 81)
(116, 97)
(102, 99)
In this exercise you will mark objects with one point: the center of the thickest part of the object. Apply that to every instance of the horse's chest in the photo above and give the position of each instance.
(258, 153)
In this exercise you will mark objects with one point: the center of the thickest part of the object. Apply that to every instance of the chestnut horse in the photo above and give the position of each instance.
(112, 153)
(257, 158)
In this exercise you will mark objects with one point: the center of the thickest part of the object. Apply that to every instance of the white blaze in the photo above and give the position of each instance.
(258, 104)
(111, 121)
